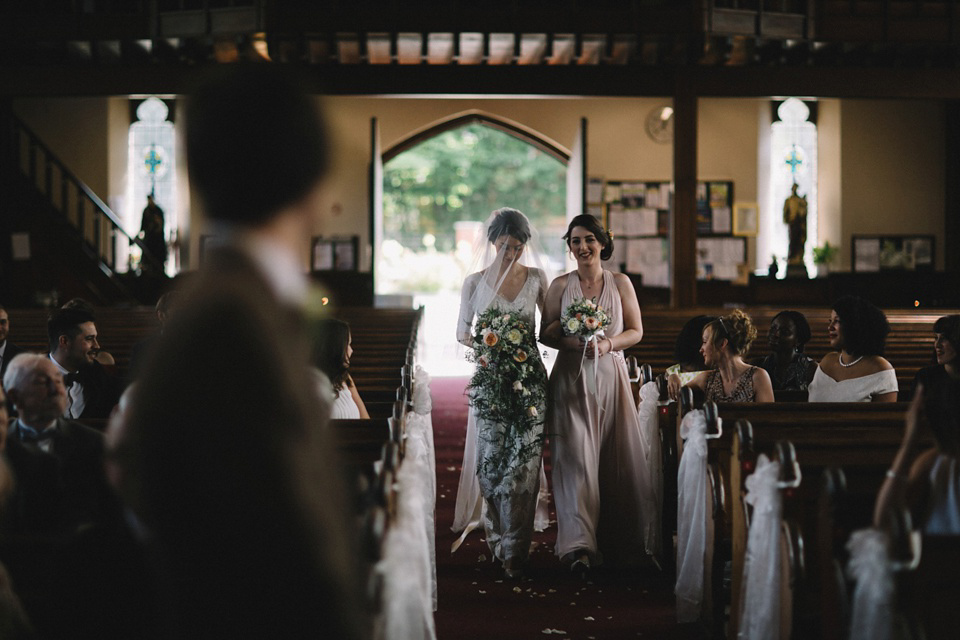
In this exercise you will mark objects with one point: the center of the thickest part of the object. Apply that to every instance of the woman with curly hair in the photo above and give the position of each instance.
(725, 342)
(856, 371)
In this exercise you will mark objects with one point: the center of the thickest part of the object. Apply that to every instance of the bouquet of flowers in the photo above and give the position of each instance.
(509, 385)
(584, 318)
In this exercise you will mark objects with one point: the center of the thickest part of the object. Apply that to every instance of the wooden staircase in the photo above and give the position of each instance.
(72, 234)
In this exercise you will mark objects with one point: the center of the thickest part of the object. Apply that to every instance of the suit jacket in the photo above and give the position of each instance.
(101, 391)
(238, 480)
(61, 490)
(8, 354)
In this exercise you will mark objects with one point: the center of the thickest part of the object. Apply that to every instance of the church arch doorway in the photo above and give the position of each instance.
(438, 187)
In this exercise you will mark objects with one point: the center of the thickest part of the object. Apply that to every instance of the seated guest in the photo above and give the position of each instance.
(946, 332)
(332, 353)
(92, 392)
(103, 357)
(928, 482)
(726, 340)
(165, 308)
(686, 352)
(14, 622)
(857, 370)
(57, 463)
(7, 349)
(789, 368)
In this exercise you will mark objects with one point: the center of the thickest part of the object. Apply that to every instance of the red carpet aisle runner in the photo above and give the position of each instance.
(475, 601)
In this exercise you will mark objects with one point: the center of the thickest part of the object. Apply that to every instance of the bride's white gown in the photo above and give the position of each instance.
(510, 496)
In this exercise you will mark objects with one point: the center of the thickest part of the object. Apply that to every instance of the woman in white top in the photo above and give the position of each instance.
(856, 371)
(332, 356)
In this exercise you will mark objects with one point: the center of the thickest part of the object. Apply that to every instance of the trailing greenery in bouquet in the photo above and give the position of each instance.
(508, 387)
(584, 318)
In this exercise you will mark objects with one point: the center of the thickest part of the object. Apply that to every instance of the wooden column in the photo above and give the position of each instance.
(951, 237)
(683, 235)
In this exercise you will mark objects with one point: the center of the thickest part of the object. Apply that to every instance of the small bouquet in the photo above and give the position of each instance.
(509, 384)
(587, 319)
(584, 318)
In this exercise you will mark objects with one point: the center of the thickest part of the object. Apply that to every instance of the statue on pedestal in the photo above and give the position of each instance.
(795, 217)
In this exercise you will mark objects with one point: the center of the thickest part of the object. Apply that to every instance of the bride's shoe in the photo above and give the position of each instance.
(513, 570)
(581, 565)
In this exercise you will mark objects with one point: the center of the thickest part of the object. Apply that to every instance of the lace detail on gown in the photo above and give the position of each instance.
(743, 392)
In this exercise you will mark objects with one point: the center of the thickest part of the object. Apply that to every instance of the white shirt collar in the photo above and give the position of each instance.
(58, 365)
(280, 266)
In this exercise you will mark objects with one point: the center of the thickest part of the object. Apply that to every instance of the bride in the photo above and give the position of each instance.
(505, 424)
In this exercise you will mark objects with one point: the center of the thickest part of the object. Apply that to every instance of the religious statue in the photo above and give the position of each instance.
(152, 233)
(795, 217)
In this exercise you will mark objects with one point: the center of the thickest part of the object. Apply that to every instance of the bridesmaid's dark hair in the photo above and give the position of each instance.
(591, 224)
(508, 222)
(329, 348)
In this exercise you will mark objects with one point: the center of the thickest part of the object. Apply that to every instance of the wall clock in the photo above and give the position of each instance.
(659, 124)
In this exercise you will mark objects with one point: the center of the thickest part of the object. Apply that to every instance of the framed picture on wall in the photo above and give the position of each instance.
(745, 219)
(335, 254)
(893, 253)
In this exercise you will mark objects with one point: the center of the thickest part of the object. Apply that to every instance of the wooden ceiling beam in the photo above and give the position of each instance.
(557, 80)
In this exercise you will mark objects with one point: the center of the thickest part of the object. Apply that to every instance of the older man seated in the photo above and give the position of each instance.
(57, 463)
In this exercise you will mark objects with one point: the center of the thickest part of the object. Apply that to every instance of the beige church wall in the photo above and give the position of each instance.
(872, 179)
(76, 131)
(617, 147)
(727, 142)
(893, 170)
(830, 180)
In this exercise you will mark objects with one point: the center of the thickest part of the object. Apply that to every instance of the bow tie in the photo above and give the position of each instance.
(70, 378)
(28, 434)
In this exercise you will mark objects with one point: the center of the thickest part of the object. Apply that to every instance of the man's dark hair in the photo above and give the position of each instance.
(255, 142)
(168, 301)
(66, 322)
(864, 326)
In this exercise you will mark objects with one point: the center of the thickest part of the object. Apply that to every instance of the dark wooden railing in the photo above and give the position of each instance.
(96, 224)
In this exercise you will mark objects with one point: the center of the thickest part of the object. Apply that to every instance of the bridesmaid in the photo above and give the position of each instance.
(604, 498)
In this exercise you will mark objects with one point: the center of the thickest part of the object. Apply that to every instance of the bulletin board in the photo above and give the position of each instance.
(638, 214)
(893, 252)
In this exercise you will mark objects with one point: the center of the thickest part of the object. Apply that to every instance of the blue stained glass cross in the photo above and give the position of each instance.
(794, 160)
(152, 160)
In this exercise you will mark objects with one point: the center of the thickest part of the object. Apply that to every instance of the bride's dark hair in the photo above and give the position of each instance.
(508, 222)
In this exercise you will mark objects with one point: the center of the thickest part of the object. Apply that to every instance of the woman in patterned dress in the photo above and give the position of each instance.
(726, 341)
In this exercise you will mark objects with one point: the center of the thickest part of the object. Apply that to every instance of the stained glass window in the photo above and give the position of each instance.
(151, 170)
(793, 161)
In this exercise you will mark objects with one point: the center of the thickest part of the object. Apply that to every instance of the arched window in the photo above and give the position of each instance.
(151, 169)
(793, 161)
(441, 184)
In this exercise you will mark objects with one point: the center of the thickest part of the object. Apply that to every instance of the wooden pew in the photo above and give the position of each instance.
(863, 437)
